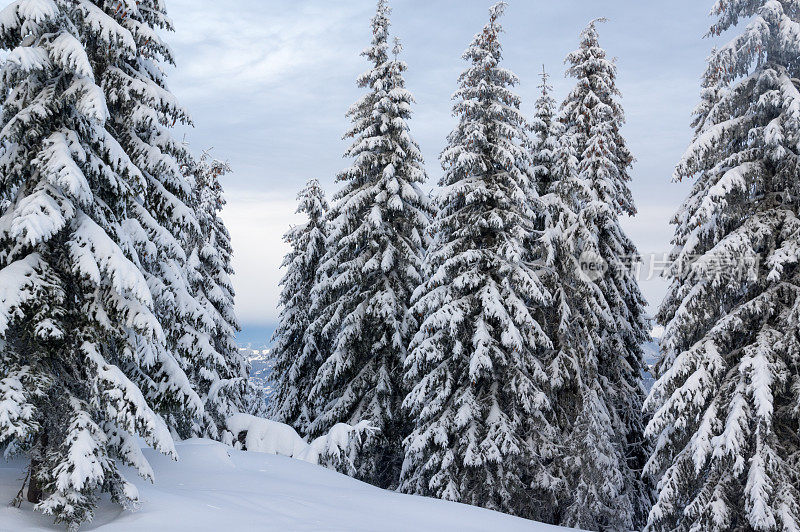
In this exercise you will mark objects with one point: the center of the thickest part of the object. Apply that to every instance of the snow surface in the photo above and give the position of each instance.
(214, 487)
(265, 436)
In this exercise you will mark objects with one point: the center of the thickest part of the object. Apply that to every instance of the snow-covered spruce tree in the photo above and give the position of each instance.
(605, 485)
(573, 323)
(372, 266)
(571, 320)
(297, 355)
(85, 365)
(546, 131)
(726, 421)
(478, 402)
(218, 371)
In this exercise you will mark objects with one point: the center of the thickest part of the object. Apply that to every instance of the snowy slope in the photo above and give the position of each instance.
(216, 488)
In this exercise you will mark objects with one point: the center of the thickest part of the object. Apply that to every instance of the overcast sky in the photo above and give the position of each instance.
(268, 83)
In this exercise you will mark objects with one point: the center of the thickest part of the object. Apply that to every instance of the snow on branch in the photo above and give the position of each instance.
(18, 283)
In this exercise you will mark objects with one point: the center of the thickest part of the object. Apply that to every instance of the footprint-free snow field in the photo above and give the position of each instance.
(214, 487)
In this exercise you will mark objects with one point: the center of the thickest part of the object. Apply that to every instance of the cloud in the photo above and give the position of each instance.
(268, 83)
(257, 222)
(251, 47)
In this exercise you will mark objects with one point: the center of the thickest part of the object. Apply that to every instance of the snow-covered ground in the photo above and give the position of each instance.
(216, 488)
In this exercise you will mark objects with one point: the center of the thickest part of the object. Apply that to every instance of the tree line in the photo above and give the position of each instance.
(492, 334)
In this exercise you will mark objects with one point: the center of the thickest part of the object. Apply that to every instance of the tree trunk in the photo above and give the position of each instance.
(35, 491)
(34, 486)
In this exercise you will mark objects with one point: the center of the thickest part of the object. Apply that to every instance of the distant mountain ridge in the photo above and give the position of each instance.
(256, 337)
(261, 364)
(652, 352)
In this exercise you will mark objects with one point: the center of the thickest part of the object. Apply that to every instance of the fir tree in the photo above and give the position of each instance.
(726, 417)
(86, 364)
(605, 459)
(296, 352)
(218, 371)
(546, 131)
(372, 265)
(478, 401)
(571, 320)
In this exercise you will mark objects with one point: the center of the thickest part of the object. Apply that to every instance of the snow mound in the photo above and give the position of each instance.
(264, 436)
(214, 487)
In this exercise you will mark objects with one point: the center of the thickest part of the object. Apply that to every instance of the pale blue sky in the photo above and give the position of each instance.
(268, 83)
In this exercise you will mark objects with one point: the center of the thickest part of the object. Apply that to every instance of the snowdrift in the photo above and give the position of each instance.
(264, 436)
(216, 488)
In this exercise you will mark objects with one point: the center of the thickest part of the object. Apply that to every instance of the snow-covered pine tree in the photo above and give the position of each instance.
(372, 266)
(605, 487)
(478, 402)
(726, 418)
(296, 352)
(546, 131)
(85, 362)
(218, 371)
(571, 320)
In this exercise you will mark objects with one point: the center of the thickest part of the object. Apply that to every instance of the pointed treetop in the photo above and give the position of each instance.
(491, 30)
(545, 106)
(311, 199)
(397, 49)
(497, 11)
(378, 51)
(590, 32)
(589, 50)
(487, 41)
(592, 26)
(590, 37)
(546, 131)
(383, 8)
(380, 22)
(545, 85)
